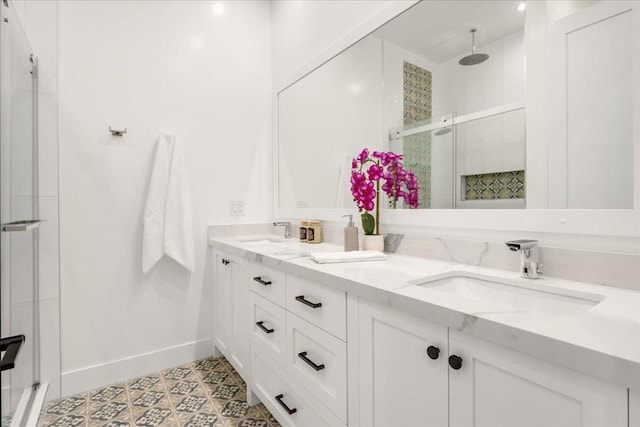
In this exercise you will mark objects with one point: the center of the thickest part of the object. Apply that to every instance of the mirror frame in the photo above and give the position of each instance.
(617, 223)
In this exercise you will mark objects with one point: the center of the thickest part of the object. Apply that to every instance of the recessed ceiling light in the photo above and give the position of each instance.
(522, 6)
(218, 8)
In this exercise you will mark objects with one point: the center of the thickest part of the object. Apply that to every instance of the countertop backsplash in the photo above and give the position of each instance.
(587, 263)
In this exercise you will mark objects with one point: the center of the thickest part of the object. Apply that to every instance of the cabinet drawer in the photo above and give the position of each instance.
(267, 282)
(289, 404)
(321, 306)
(268, 328)
(318, 361)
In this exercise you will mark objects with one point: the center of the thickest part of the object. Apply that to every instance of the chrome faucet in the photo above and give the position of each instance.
(287, 228)
(528, 249)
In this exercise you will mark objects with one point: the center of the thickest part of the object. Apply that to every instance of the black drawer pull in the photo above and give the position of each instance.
(266, 330)
(262, 282)
(225, 262)
(304, 357)
(309, 303)
(284, 405)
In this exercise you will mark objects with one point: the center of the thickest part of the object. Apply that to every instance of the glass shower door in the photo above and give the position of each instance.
(19, 236)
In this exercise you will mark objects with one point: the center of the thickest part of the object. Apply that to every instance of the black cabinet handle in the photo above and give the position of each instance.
(304, 357)
(262, 282)
(309, 303)
(284, 405)
(433, 352)
(266, 330)
(225, 262)
(455, 362)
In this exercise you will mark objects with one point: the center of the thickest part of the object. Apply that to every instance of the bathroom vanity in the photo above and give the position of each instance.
(411, 341)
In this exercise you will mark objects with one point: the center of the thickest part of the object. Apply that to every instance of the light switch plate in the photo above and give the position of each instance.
(237, 207)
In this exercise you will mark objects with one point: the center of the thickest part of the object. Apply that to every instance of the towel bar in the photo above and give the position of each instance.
(117, 132)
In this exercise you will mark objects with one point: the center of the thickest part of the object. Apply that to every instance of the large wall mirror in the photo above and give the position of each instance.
(445, 85)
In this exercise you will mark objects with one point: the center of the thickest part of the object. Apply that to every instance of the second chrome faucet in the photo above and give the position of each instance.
(287, 228)
(529, 267)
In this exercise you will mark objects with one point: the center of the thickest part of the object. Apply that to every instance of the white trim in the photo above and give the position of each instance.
(490, 204)
(595, 222)
(36, 405)
(21, 410)
(378, 20)
(91, 377)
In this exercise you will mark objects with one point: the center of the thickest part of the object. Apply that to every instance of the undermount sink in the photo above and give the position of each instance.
(514, 295)
(262, 240)
(275, 245)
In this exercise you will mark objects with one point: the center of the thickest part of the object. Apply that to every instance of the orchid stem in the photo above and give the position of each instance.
(378, 207)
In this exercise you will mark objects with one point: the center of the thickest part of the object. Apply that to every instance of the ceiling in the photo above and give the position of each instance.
(439, 29)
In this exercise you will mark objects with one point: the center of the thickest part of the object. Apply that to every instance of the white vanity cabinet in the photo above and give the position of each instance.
(400, 383)
(316, 356)
(469, 382)
(498, 387)
(298, 348)
(231, 296)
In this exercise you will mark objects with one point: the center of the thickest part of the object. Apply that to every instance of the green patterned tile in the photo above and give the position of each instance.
(417, 98)
(495, 186)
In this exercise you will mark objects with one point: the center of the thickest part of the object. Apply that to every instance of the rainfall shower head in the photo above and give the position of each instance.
(474, 58)
(444, 129)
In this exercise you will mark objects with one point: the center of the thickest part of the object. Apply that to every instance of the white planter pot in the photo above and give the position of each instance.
(373, 242)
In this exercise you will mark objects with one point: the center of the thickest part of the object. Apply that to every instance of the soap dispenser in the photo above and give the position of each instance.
(350, 236)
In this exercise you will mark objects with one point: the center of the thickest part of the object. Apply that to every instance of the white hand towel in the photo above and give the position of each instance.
(344, 199)
(351, 256)
(168, 223)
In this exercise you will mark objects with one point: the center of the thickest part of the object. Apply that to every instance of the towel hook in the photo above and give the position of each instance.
(117, 132)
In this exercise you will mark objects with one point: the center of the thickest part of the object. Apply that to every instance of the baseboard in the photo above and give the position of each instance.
(36, 406)
(92, 377)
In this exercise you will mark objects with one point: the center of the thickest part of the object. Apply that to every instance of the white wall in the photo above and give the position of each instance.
(202, 71)
(302, 30)
(326, 117)
(495, 144)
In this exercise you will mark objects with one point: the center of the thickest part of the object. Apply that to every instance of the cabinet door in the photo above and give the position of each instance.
(498, 387)
(223, 308)
(241, 316)
(400, 384)
(232, 328)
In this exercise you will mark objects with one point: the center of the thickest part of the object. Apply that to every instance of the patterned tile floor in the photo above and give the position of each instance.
(205, 393)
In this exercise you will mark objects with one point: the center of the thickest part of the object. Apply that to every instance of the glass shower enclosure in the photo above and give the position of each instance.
(19, 218)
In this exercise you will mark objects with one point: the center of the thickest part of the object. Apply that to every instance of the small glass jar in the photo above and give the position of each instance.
(303, 230)
(314, 232)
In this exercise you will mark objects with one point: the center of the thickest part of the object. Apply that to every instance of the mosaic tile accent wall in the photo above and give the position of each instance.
(501, 185)
(417, 108)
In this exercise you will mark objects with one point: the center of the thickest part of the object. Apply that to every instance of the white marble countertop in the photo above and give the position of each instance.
(602, 341)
